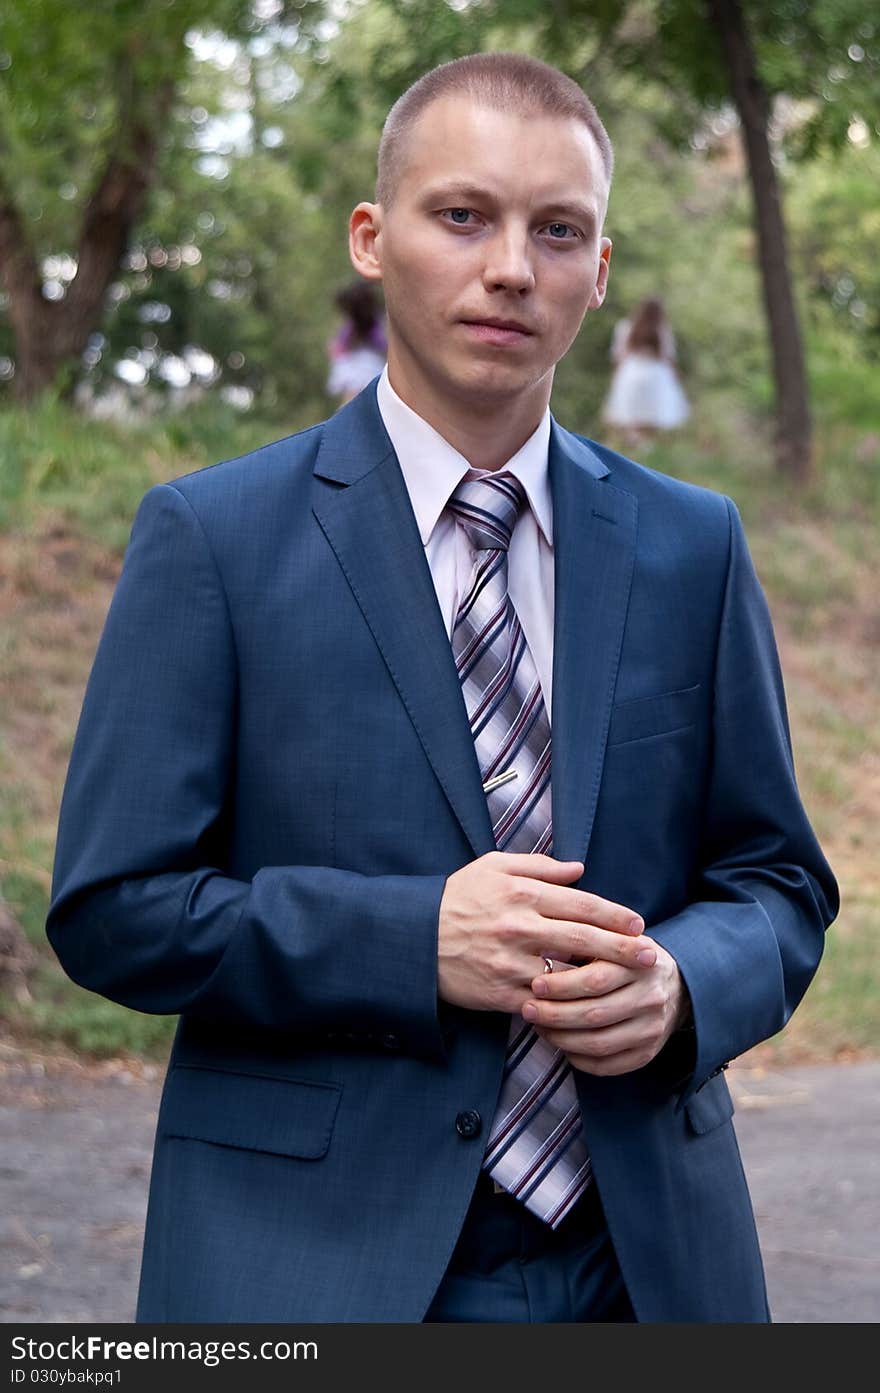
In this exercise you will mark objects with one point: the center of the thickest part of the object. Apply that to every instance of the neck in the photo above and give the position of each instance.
(486, 433)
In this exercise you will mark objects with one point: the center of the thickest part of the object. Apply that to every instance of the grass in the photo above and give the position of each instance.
(839, 1015)
(68, 491)
(62, 468)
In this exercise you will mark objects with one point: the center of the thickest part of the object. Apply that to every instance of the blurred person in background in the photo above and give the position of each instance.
(645, 395)
(357, 352)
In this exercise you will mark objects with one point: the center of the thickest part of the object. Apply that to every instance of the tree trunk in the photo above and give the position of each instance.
(51, 335)
(793, 426)
(43, 331)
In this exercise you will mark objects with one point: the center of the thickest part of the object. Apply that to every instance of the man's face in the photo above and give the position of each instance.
(491, 253)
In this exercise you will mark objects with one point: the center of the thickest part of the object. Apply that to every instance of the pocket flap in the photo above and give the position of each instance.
(653, 715)
(289, 1117)
(710, 1106)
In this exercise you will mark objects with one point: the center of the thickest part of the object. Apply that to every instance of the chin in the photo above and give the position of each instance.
(498, 382)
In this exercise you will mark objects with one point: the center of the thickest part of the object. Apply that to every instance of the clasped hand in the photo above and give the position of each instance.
(503, 914)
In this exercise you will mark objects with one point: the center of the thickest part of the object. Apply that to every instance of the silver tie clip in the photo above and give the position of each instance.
(499, 779)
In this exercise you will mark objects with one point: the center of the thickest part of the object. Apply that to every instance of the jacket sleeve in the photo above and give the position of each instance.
(142, 911)
(750, 943)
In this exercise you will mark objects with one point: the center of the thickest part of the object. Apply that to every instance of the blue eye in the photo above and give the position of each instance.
(459, 215)
(558, 230)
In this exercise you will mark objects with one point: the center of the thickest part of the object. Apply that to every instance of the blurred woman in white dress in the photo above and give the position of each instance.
(645, 395)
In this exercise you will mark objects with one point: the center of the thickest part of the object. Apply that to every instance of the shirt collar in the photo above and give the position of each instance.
(432, 468)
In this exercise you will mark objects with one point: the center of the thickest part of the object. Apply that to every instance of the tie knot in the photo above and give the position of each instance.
(488, 509)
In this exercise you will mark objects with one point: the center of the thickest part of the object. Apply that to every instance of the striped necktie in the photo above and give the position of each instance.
(536, 1148)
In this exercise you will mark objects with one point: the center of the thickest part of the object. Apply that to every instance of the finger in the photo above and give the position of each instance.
(598, 1044)
(549, 966)
(587, 1013)
(563, 939)
(542, 868)
(575, 983)
(581, 907)
(624, 1063)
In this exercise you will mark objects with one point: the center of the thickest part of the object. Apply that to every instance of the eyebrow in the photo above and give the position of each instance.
(456, 194)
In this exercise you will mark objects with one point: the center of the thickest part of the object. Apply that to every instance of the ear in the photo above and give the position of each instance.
(601, 285)
(364, 228)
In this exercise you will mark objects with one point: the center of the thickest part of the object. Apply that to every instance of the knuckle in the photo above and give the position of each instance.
(600, 982)
(510, 928)
(503, 928)
(500, 960)
(518, 895)
(582, 947)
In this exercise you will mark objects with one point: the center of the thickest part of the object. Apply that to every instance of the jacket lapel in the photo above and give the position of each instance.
(363, 507)
(594, 534)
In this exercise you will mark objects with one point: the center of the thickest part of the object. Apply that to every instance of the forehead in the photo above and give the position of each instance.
(531, 154)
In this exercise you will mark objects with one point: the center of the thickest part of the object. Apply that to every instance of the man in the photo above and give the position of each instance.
(452, 1031)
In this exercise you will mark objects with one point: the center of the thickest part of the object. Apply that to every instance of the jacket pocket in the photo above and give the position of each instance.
(288, 1117)
(654, 715)
(710, 1106)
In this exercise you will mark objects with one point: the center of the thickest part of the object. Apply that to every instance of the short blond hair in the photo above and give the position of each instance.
(505, 81)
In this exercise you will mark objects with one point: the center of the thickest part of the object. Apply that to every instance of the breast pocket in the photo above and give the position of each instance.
(652, 716)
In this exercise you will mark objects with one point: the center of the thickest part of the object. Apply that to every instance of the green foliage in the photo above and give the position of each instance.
(272, 141)
(59, 1011)
(825, 54)
(70, 72)
(841, 1011)
(834, 214)
(28, 899)
(92, 476)
(77, 84)
(66, 1015)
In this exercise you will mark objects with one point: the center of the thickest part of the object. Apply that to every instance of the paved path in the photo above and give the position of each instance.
(74, 1168)
(810, 1141)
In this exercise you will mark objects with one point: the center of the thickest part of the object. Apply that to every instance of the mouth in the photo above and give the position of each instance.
(498, 331)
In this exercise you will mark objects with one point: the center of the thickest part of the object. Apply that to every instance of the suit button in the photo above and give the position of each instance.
(469, 1124)
(391, 1042)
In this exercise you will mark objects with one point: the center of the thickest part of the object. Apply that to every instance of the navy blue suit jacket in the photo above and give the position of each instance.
(272, 779)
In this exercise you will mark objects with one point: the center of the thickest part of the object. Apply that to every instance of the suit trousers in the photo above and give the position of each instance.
(509, 1266)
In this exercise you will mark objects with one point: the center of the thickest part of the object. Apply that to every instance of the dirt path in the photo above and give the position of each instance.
(76, 1145)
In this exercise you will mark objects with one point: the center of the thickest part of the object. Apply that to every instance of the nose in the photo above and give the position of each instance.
(508, 264)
